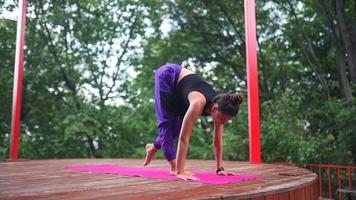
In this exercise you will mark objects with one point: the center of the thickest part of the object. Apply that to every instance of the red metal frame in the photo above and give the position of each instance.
(18, 73)
(252, 82)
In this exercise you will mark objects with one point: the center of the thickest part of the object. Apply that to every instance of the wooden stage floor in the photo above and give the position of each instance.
(47, 179)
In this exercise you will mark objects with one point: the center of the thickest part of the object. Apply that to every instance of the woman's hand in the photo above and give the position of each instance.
(174, 172)
(187, 176)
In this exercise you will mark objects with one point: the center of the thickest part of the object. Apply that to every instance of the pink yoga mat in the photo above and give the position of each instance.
(205, 177)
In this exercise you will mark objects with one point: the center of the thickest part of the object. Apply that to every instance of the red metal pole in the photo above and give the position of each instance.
(339, 183)
(18, 73)
(320, 181)
(350, 177)
(252, 82)
(330, 183)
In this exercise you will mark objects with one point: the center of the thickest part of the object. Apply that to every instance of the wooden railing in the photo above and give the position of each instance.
(335, 181)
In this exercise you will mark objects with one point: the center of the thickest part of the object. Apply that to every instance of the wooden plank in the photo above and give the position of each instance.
(316, 189)
(309, 192)
(272, 197)
(259, 198)
(298, 194)
(283, 196)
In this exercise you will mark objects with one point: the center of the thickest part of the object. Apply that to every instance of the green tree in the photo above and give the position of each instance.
(7, 57)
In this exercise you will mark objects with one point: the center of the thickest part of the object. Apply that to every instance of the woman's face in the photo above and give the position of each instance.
(219, 117)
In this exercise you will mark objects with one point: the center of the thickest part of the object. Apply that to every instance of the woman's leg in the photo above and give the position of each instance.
(165, 81)
(175, 131)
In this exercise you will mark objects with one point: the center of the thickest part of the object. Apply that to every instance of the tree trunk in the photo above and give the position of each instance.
(340, 46)
(342, 77)
(346, 38)
(309, 52)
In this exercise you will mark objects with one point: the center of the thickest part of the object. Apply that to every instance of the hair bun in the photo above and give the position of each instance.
(236, 98)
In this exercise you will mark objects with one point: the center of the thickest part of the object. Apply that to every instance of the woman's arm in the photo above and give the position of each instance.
(218, 149)
(218, 144)
(197, 102)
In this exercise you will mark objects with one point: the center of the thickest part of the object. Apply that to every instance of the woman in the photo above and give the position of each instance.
(180, 98)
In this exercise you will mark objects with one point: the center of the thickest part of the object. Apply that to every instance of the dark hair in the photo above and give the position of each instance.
(228, 103)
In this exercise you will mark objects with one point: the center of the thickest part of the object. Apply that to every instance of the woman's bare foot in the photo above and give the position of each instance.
(150, 152)
(173, 172)
(173, 167)
(187, 176)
